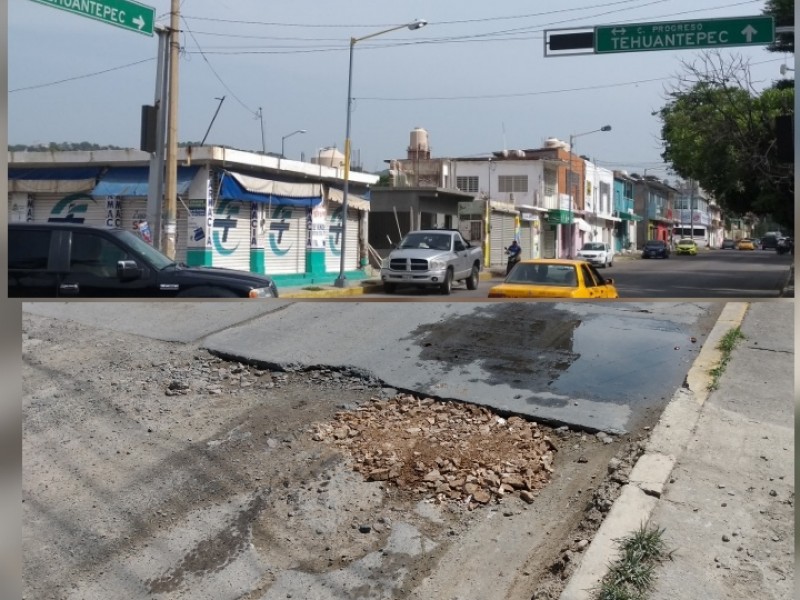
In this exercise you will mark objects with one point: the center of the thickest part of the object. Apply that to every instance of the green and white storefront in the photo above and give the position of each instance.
(258, 213)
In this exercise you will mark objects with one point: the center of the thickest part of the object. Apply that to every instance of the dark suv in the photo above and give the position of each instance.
(655, 249)
(70, 260)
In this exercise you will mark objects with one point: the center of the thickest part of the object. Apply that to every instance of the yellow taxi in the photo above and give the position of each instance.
(686, 246)
(554, 278)
(746, 244)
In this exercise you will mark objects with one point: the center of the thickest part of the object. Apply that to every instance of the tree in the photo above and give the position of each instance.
(719, 131)
(783, 13)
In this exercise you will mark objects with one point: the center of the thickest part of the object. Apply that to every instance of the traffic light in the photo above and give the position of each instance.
(148, 135)
(784, 132)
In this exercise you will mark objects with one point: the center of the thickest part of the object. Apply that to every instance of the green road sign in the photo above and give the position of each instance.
(122, 13)
(684, 35)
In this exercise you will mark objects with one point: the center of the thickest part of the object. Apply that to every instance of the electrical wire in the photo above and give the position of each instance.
(225, 85)
(379, 25)
(536, 93)
(84, 76)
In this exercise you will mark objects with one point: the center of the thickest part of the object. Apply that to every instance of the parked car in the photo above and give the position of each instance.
(554, 278)
(597, 253)
(785, 244)
(728, 244)
(72, 260)
(432, 258)
(655, 249)
(686, 246)
(745, 244)
(769, 241)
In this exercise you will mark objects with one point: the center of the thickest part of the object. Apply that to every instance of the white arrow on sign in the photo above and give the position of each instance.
(618, 31)
(140, 22)
(749, 32)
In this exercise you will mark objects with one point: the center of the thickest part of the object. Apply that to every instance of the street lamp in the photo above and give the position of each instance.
(341, 280)
(572, 137)
(288, 135)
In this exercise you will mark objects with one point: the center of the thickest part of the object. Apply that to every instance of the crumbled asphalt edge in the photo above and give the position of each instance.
(554, 577)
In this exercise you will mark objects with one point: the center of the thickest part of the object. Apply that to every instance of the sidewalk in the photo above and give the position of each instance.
(718, 473)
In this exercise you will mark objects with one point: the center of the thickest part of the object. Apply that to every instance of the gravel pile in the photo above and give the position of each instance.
(447, 451)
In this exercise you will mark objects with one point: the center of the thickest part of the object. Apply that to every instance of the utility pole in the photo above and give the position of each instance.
(691, 208)
(155, 185)
(171, 201)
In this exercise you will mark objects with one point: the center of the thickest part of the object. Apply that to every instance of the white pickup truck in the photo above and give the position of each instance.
(432, 257)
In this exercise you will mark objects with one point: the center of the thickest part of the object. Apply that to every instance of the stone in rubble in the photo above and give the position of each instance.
(481, 496)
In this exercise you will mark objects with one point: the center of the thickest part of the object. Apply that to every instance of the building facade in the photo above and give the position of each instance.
(239, 210)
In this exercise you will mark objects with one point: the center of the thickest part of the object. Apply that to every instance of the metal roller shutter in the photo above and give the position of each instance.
(19, 203)
(133, 210)
(183, 235)
(548, 241)
(333, 251)
(80, 209)
(500, 236)
(230, 236)
(285, 248)
(526, 239)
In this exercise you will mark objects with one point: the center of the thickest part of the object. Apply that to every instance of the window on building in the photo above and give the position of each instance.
(512, 183)
(550, 183)
(467, 184)
(605, 195)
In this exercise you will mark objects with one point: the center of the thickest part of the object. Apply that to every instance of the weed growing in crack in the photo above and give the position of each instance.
(631, 576)
(726, 346)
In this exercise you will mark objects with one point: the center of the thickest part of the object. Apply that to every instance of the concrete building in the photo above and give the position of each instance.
(235, 209)
(653, 199)
(549, 199)
(625, 229)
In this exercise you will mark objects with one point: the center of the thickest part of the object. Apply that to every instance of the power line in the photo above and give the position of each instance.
(225, 85)
(378, 25)
(76, 77)
(477, 37)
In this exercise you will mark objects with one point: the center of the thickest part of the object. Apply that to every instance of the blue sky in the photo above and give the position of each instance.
(475, 78)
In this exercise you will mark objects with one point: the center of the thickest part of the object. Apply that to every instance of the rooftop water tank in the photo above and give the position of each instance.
(328, 157)
(419, 140)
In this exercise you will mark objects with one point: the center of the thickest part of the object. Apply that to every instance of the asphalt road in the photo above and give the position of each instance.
(709, 275)
(595, 366)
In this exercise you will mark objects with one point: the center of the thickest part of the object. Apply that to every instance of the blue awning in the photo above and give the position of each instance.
(132, 181)
(248, 188)
(53, 173)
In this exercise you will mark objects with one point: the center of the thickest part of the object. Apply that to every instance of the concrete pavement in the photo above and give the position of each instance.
(718, 473)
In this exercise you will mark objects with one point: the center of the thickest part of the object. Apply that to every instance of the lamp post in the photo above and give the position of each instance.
(341, 280)
(572, 137)
(288, 135)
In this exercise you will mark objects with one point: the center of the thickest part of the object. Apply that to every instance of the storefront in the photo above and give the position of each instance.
(237, 210)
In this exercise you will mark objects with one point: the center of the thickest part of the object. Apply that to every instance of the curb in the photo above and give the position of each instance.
(651, 472)
(333, 292)
(370, 286)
